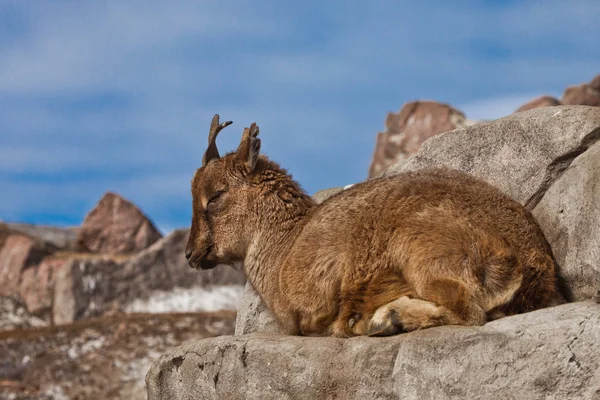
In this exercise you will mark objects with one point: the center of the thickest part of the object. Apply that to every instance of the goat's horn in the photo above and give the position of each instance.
(212, 151)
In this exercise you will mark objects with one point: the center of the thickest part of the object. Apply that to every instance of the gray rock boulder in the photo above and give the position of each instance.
(569, 215)
(546, 354)
(253, 314)
(522, 154)
(93, 285)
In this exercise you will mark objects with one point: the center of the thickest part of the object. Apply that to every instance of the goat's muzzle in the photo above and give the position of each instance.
(204, 260)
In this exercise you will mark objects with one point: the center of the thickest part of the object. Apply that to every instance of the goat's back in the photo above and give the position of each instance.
(370, 212)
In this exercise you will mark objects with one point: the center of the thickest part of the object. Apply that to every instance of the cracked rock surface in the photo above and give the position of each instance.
(546, 354)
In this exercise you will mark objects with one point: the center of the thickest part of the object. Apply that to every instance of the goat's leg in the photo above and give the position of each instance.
(444, 302)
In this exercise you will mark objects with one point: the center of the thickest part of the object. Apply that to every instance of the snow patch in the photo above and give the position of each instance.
(216, 298)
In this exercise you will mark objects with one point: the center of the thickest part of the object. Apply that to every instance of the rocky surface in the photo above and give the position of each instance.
(19, 253)
(253, 314)
(101, 358)
(569, 214)
(406, 130)
(116, 226)
(14, 314)
(546, 354)
(595, 83)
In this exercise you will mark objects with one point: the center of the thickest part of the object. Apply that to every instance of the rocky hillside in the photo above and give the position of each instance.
(114, 261)
(84, 311)
(98, 358)
(546, 158)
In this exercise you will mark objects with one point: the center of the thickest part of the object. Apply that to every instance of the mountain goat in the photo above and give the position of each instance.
(390, 255)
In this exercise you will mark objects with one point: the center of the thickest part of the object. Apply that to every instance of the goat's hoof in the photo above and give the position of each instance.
(353, 320)
(385, 325)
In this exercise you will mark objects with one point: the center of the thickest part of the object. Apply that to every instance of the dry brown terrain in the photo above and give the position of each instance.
(98, 358)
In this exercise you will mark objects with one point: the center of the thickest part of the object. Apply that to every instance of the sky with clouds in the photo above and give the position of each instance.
(118, 95)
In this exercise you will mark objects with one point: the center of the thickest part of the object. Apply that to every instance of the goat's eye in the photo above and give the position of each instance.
(213, 199)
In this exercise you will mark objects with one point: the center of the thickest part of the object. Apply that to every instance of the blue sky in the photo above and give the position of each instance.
(98, 96)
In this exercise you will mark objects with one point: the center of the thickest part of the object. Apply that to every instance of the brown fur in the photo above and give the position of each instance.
(393, 254)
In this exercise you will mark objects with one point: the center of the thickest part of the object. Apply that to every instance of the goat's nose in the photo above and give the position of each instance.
(188, 253)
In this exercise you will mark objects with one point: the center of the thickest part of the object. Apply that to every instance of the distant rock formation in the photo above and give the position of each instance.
(67, 312)
(58, 281)
(406, 130)
(586, 94)
(116, 226)
(417, 121)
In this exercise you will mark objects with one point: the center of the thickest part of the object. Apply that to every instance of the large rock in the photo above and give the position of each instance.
(569, 214)
(18, 253)
(546, 354)
(36, 286)
(522, 154)
(542, 101)
(253, 314)
(412, 125)
(116, 226)
(71, 302)
(94, 285)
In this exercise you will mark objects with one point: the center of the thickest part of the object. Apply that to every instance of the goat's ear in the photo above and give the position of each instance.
(212, 151)
(249, 148)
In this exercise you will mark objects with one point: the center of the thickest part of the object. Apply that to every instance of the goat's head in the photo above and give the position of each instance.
(222, 195)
